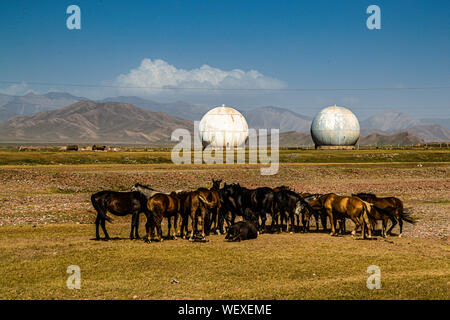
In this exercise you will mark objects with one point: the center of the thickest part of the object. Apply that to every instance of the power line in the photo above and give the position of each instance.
(225, 89)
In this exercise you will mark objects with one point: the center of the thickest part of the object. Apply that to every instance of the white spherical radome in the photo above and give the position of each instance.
(223, 127)
(335, 126)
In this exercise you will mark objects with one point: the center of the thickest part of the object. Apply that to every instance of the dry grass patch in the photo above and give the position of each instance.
(33, 262)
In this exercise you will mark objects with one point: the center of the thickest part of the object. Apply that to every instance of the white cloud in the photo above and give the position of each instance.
(159, 74)
(17, 89)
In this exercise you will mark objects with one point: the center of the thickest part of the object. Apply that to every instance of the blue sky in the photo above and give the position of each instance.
(291, 44)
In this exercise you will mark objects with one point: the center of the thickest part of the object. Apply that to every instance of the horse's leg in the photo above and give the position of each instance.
(400, 223)
(317, 219)
(147, 229)
(175, 224)
(274, 219)
(233, 217)
(366, 221)
(221, 220)
(97, 225)
(159, 229)
(102, 223)
(203, 226)
(292, 227)
(394, 223)
(332, 221)
(169, 226)
(178, 223)
(213, 220)
(133, 224)
(342, 229)
(263, 221)
(194, 224)
(136, 227)
(357, 223)
(185, 226)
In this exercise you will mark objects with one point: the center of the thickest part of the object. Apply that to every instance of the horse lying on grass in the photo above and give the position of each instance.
(242, 230)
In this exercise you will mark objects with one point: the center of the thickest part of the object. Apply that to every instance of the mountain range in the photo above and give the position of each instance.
(20, 112)
(93, 122)
(32, 103)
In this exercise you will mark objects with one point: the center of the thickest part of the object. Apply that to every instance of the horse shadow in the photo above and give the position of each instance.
(110, 239)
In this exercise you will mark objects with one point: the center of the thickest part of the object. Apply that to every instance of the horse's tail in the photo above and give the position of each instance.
(150, 206)
(205, 201)
(367, 210)
(406, 216)
(101, 211)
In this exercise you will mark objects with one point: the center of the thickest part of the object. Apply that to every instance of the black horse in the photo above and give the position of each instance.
(228, 209)
(258, 202)
(242, 230)
(317, 212)
(292, 205)
(119, 204)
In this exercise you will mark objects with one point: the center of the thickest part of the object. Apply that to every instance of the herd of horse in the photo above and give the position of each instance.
(215, 209)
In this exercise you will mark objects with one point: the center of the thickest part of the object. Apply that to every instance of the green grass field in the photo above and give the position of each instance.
(285, 156)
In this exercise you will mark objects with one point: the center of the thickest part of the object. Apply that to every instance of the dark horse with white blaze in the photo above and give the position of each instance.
(119, 204)
(292, 205)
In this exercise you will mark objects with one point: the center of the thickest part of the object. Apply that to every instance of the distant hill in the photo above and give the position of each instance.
(387, 120)
(32, 103)
(179, 108)
(93, 122)
(277, 118)
(5, 114)
(398, 139)
(428, 133)
(299, 139)
(444, 122)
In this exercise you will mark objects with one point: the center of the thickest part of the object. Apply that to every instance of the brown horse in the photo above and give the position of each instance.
(339, 207)
(192, 207)
(392, 206)
(211, 199)
(162, 206)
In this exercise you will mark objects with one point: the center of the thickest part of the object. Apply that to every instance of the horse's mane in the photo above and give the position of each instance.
(366, 194)
(138, 185)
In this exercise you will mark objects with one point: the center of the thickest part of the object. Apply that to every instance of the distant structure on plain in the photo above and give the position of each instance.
(335, 128)
(223, 127)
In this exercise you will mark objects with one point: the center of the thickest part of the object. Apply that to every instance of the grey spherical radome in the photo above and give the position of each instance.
(223, 127)
(335, 126)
